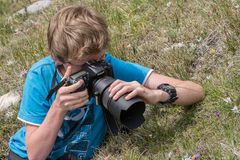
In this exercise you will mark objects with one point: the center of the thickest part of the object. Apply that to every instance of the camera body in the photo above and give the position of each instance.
(97, 77)
(90, 73)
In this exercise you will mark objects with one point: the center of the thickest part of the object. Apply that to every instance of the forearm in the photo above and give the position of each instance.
(40, 141)
(188, 92)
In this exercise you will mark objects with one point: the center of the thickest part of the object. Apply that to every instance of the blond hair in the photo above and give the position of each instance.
(76, 31)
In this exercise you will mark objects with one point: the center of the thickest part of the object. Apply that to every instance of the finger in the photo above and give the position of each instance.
(116, 88)
(71, 88)
(141, 92)
(79, 104)
(71, 103)
(75, 96)
(68, 72)
(132, 95)
(121, 92)
(116, 82)
(80, 94)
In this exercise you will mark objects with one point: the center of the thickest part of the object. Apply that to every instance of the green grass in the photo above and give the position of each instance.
(149, 32)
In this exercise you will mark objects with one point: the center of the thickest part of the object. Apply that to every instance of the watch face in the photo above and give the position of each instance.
(166, 87)
(169, 87)
(170, 90)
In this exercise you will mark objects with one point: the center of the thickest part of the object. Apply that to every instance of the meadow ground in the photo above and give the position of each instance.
(186, 39)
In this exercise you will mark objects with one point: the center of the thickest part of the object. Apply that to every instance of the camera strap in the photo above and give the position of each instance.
(55, 88)
(114, 127)
(112, 124)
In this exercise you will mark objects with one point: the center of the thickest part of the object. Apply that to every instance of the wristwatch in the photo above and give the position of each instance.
(170, 90)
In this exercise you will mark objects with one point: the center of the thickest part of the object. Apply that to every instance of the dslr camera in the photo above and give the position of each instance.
(97, 77)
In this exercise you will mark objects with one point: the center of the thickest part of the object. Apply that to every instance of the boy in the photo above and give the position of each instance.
(70, 125)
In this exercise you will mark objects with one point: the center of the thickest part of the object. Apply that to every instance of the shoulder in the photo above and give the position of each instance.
(41, 71)
(113, 60)
(127, 71)
(42, 64)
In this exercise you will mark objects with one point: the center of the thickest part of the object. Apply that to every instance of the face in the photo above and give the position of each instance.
(76, 65)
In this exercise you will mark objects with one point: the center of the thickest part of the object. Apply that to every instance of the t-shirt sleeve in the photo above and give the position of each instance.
(34, 106)
(128, 71)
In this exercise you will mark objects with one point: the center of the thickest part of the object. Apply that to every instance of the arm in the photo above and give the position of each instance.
(40, 139)
(187, 91)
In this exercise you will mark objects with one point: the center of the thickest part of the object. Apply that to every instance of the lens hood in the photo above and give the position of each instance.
(128, 112)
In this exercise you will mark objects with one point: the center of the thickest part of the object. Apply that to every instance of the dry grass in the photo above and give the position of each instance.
(197, 40)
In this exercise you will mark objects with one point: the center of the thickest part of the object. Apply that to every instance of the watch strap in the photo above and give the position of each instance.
(170, 90)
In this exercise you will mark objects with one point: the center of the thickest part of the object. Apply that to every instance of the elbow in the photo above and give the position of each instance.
(201, 92)
(30, 157)
(33, 155)
(196, 92)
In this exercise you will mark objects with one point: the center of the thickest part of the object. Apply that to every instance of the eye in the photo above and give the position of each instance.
(61, 59)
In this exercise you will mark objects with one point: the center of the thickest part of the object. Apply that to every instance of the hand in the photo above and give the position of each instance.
(118, 88)
(67, 100)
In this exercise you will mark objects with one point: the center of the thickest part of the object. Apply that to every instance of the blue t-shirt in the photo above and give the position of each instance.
(83, 129)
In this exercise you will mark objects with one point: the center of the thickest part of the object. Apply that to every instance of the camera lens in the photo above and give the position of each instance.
(128, 112)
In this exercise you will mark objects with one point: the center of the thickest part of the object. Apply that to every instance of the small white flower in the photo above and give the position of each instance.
(208, 77)
(175, 46)
(166, 49)
(192, 46)
(10, 62)
(178, 45)
(235, 109)
(186, 157)
(23, 74)
(169, 4)
(199, 39)
(227, 100)
(170, 154)
(9, 114)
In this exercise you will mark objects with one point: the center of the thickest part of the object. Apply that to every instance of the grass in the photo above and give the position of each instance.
(196, 40)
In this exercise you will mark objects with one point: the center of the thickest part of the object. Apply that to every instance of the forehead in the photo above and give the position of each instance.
(91, 57)
(87, 58)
